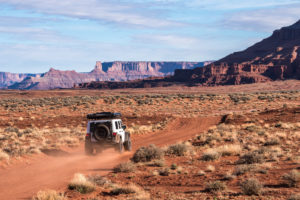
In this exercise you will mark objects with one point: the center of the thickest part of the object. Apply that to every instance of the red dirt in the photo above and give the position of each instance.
(23, 180)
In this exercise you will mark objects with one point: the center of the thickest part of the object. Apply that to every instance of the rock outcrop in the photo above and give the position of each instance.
(8, 79)
(274, 58)
(108, 71)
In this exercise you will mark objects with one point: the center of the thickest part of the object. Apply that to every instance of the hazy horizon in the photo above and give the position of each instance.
(73, 35)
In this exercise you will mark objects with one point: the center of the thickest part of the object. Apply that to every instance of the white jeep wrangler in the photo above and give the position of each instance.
(106, 130)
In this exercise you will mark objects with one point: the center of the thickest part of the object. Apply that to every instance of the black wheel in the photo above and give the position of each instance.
(88, 147)
(127, 145)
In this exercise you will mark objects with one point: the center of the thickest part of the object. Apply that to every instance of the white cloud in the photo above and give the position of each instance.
(175, 41)
(263, 19)
(102, 10)
(239, 4)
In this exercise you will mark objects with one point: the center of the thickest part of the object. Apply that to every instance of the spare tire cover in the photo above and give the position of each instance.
(101, 132)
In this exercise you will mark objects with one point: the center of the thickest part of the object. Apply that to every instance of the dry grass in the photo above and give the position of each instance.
(81, 184)
(251, 187)
(49, 195)
(4, 156)
(251, 158)
(292, 178)
(215, 186)
(210, 154)
(229, 150)
(18, 142)
(164, 172)
(138, 192)
(294, 197)
(179, 149)
(124, 167)
(210, 168)
(146, 154)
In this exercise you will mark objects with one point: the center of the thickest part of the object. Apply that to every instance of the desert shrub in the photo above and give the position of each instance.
(129, 189)
(98, 180)
(215, 186)
(138, 192)
(164, 172)
(201, 173)
(122, 190)
(251, 187)
(242, 169)
(81, 184)
(11, 130)
(251, 158)
(146, 154)
(292, 178)
(4, 156)
(124, 167)
(157, 163)
(210, 154)
(229, 176)
(272, 142)
(210, 168)
(173, 166)
(252, 128)
(70, 141)
(294, 197)
(178, 149)
(49, 195)
(228, 150)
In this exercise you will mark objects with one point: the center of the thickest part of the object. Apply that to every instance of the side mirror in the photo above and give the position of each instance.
(124, 127)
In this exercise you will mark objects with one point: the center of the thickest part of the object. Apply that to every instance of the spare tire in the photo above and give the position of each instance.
(101, 132)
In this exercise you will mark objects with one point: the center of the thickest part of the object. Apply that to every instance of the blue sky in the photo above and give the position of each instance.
(73, 34)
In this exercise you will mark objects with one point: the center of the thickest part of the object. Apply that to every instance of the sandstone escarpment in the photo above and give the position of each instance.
(108, 71)
(274, 58)
(8, 79)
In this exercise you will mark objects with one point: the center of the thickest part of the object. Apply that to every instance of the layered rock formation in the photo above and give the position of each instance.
(274, 58)
(109, 71)
(8, 79)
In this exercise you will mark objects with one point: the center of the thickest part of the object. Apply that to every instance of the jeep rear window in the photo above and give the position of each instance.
(116, 124)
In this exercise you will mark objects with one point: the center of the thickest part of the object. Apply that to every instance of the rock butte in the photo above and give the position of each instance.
(107, 71)
(274, 58)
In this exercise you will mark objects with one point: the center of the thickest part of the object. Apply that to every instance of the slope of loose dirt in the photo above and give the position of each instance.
(24, 180)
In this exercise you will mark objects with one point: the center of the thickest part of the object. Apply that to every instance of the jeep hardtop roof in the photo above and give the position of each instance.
(103, 115)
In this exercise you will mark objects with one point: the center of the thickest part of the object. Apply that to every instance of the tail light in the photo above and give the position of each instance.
(88, 134)
(114, 133)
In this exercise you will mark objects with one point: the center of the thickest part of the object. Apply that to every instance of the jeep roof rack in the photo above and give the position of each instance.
(104, 115)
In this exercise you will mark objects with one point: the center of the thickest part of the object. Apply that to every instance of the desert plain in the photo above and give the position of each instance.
(223, 142)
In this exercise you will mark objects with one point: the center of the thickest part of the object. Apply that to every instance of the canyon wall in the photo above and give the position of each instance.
(107, 71)
(274, 58)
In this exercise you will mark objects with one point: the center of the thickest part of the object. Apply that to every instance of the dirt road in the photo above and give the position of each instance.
(23, 180)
